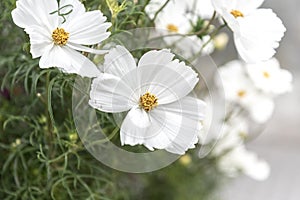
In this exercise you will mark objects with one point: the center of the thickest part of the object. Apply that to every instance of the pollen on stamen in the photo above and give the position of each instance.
(60, 36)
(148, 101)
(237, 13)
(172, 28)
(241, 93)
(266, 75)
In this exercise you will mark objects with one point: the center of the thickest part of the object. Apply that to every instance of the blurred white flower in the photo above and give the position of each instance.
(239, 160)
(57, 32)
(195, 8)
(178, 17)
(161, 115)
(269, 77)
(221, 40)
(154, 6)
(200, 8)
(192, 45)
(233, 134)
(257, 32)
(213, 123)
(239, 89)
(173, 20)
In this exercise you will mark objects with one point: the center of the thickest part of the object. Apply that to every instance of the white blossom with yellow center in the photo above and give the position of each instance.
(257, 32)
(269, 77)
(154, 93)
(173, 20)
(240, 160)
(240, 89)
(58, 38)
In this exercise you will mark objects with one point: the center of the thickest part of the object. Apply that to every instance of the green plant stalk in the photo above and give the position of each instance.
(50, 135)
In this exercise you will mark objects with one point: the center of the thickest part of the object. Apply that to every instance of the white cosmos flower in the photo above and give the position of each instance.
(269, 77)
(240, 160)
(55, 38)
(173, 20)
(239, 89)
(257, 32)
(154, 92)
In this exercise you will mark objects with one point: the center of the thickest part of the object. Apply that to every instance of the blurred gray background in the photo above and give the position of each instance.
(279, 144)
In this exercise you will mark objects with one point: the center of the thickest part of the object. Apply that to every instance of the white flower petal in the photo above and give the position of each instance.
(201, 8)
(74, 7)
(247, 6)
(79, 47)
(134, 127)
(69, 61)
(243, 6)
(189, 107)
(168, 82)
(164, 127)
(261, 108)
(269, 77)
(40, 41)
(89, 28)
(119, 62)
(259, 45)
(240, 160)
(175, 133)
(109, 94)
(54, 57)
(162, 57)
(35, 12)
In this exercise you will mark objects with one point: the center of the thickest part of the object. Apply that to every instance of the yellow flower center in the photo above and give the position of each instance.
(237, 13)
(241, 93)
(148, 101)
(172, 28)
(266, 75)
(60, 36)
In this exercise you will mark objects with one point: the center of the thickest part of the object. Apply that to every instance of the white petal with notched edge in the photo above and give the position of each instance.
(170, 82)
(110, 94)
(162, 57)
(119, 62)
(35, 12)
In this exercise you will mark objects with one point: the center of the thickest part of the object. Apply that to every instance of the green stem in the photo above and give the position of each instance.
(157, 12)
(203, 30)
(142, 11)
(50, 134)
(212, 36)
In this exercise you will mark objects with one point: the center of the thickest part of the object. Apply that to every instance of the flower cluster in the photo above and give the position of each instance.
(155, 90)
(254, 86)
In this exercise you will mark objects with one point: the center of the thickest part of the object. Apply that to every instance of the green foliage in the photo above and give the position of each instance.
(41, 154)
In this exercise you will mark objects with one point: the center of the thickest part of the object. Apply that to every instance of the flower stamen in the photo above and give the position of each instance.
(266, 75)
(237, 13)
(60, 36)
(241, 93)
(148, 101)
(172, 28)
